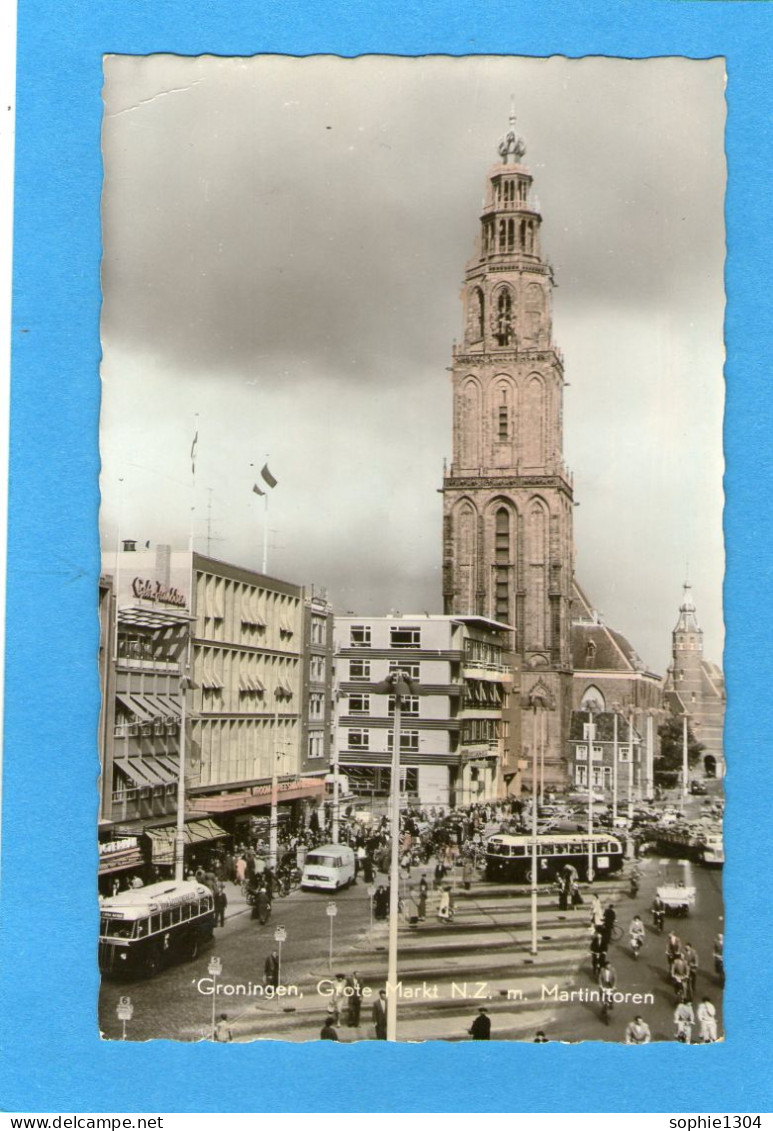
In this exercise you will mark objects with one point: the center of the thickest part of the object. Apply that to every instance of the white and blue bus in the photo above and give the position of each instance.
(509, 858)
(144, 929)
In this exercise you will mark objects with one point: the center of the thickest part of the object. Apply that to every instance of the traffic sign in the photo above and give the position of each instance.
(280, 934)
(125, 1009)
(215, 967)
(332, 910)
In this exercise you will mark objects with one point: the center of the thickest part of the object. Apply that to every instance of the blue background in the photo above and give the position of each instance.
(52, 1058)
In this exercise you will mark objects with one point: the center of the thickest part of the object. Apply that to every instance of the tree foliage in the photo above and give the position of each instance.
(668, 765)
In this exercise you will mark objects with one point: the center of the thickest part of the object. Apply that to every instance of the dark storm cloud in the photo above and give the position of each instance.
(285, 242)
(277, 206)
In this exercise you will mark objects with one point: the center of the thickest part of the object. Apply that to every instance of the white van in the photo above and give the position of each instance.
(329, 866)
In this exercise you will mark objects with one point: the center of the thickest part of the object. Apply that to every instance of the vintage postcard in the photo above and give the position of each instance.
(410, 596)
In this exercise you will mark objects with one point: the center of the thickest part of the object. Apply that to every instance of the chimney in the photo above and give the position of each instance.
(129, 545)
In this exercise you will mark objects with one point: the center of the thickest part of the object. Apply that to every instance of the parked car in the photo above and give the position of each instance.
(697, 787)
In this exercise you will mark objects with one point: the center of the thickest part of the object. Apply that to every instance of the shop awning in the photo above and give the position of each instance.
(162, 841)
(260, 795)
(159, 770)
(150, 706)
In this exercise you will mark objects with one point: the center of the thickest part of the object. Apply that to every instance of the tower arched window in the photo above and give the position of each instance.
(501, 566)
(504, 324)
(511, 235)
(502, 235)
(590, 651)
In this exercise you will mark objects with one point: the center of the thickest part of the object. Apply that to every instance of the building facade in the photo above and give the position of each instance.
(507, 495)
(211, 670)
(453, 734)
(696, 688)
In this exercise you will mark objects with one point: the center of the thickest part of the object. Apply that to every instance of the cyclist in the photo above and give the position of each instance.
(636, 933)
(684, 1020)
(598, 951)
(658, 913)
(719, 959)
(680, 974)
(638, 1032)
(607, 983)
(673, 948)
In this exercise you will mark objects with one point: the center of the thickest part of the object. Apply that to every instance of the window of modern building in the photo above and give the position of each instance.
(317, 669)
(316, 705)
(410, 705)
(359, 671)
(359, 704)
(413, 670)
(409, 741)
(358, 739)
(359, 636)
(317, 630)
(405, 637)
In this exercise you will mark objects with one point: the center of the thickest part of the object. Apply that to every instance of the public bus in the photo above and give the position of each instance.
(144, 929)
(510, 857)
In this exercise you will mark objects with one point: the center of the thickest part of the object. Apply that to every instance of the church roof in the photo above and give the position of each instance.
(595, 647)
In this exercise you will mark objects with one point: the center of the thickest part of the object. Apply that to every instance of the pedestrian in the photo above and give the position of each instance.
(598, 950)
(608, 923)
(241, 869)
(596, 913)
(467, 873)
(707, 1019)
(719, 958)
(684, 1021)
(381, 902)
(328, 1031)
(423, 893)
(691, 958)
(638, 1032)
(480, 1030)
(355, 999)
(338, 997)
(223, 1030)
(221, 902)
(380, 1016)
(271, 969)
(444, 907)
(440, 871)
(540, 1038)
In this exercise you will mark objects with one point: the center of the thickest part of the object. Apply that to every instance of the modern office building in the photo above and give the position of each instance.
(453, 733)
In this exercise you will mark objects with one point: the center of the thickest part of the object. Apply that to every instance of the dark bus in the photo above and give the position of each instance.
(509, 857)
(144, 929)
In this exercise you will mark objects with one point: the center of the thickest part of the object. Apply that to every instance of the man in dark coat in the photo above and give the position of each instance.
(271, 969)
(380, 1016)
(480, 1030)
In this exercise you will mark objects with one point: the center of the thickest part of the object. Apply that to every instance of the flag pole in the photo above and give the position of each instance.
(179, 853)
(265, 533)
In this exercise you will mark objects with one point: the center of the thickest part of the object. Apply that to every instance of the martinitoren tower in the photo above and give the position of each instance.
(507, 536)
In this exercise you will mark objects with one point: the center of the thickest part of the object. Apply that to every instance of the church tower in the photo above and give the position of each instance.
(696, 687)
(507, 495)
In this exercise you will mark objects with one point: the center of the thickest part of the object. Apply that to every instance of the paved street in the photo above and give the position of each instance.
(446, 970)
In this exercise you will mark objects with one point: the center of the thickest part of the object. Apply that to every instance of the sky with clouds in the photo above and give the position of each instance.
(284, 245)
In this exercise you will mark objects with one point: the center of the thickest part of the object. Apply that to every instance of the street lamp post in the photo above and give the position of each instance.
(332, 911)
(371, 890)
(273, 828)
(534, 845)
(630, 765)
(685, 760)
(215, 969)
(398, 684)
(615, 756)
(590, 708)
